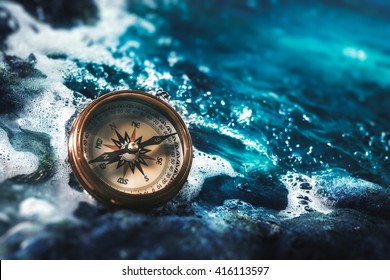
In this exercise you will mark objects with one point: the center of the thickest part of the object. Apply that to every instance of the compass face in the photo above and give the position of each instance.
(130, 149)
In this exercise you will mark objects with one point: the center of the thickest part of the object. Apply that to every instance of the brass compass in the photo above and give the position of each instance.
(130, 149)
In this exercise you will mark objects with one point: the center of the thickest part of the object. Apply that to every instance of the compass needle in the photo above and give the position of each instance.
(132, 138)
(109, 156)
(155, 140)
(120, 138)
(125, 168)
(127, 138)
(139, 167)
(112, 147)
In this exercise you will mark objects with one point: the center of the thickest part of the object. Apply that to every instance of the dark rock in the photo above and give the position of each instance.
(86, 211)
(373, 202)
(305, 186)
(23, 68)
(127, 235)
(37, 143)
(8, 24)
(342, 234)
(304, 198)
(308, 208)
(265, 192)
(62, 13)
(74, 184)
(92, 74)
(12, 90)
(240, 232)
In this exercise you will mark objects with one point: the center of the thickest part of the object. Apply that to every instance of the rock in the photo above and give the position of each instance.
(342, 234)
(62, 13)
(12, 90)
(8, 25)
(24, 68)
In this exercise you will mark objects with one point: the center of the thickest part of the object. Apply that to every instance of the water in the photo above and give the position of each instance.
(287, 104)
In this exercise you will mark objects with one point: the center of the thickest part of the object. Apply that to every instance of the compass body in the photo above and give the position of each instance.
(130, 149)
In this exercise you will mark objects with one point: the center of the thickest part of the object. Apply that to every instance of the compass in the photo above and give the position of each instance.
(130, 149)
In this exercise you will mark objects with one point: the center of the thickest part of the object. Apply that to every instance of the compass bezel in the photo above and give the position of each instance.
(104, 192)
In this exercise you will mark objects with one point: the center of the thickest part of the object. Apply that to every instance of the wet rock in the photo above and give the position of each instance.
(86, 211)
(305, 186)
(319, 236)
(264, 192)
(235, 230)
(349, 192)
(74, 184)
(4, 223)
(23, 68)
(36, 143)
(12, 89)
(8, 25)
(304, 198)
(308, 208)
(62, 13)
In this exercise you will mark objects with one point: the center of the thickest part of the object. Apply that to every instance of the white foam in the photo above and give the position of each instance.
(38, 209)
(324, 189)
(297, 194)
(13, 162)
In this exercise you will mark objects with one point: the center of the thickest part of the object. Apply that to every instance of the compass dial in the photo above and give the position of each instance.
(130, 149)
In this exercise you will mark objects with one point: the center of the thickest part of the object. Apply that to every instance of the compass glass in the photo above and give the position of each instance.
(132, 147)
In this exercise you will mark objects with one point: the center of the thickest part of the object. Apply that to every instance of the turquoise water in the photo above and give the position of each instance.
(287, 104)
